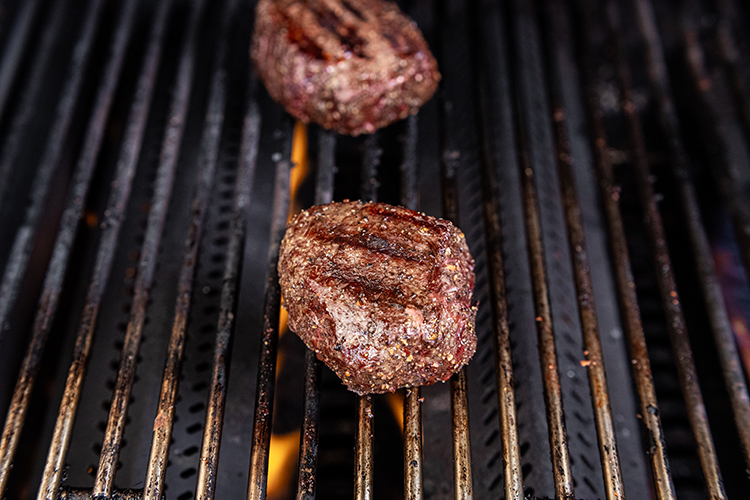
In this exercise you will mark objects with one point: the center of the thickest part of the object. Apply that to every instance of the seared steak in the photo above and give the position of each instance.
(350, 65)
(382, 294)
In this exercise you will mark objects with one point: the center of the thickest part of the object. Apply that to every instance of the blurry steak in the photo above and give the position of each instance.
(382, 294)
(350, 65)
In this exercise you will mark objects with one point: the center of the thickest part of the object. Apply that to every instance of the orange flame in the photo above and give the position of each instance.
(283, 450)
(282, 457)
(396, 404)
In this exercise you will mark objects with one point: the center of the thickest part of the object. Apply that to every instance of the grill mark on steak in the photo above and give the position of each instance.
(353, 10)
(384, 303)
(350, 65)
(297, 36)
(347, 35)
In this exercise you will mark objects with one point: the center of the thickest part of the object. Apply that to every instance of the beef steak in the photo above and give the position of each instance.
(350, 65)
(382, 294)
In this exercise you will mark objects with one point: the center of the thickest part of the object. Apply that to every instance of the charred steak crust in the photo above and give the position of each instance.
(382, 294)
(350, 65)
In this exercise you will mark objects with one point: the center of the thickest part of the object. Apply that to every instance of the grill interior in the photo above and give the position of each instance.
(595, 154)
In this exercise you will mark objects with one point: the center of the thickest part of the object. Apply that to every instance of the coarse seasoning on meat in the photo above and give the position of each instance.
(382, 294)
(350, 65)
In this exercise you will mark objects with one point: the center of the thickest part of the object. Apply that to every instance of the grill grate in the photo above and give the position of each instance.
(158, 199)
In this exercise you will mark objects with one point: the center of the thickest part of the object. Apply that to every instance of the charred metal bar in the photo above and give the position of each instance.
(258, 480)
(463, 489)
(413, 444)
(12, 144)
(494, 109)
(164, 420)
(363, 477)
(147, 266)
(363, 445)
(461, 442)
(370, 162)
(12, 55)
(212, 430)
(308, 452)
(114, 214)
(23, 243)
(409, 194)
(627, 297)
(79, 494)
(731, 55)
(412, 396)
(657, 238)
(547, 352)
(720, 324)
(605, 428)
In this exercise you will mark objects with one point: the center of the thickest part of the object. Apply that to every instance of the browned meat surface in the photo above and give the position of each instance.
(382, 294)
(350, 65)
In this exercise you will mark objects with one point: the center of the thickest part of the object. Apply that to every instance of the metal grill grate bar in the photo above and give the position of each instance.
(258, 480)
(308, 453)
(209, 462)
(412, 395)
(17, 41)
(164, 420)
(363, 438)
(624, 276)
(665, 275)
(23, 243)
(114, 215)
(547, 351)
(163, 188)
(18, 259)
(720, 324)
(605, 429)
(12, 143)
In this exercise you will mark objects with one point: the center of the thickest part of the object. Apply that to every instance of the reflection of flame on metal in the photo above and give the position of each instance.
(729, 271)
(284, 448)
(396, 404)
(282, 457)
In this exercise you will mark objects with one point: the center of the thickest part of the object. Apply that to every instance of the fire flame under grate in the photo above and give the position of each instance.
(594, 153)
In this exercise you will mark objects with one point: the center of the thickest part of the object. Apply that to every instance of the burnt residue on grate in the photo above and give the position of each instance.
(553, 142)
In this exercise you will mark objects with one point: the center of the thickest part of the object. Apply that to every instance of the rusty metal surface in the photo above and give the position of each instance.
(114, 215)
(463, 489)
(212, 431)
(22, 245)
(164, 421)
(20, 255)
(165, 176)
(547, 355)
(720, 323)
(506, 398)
(258, 477)
(605, 429)
(80, 494)
(630, 311)
(413, 444)
(16, 44)
(308, 453)
(12, 143)
(364, 454)
(657, 239)
(412, 395)
(363, 449)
